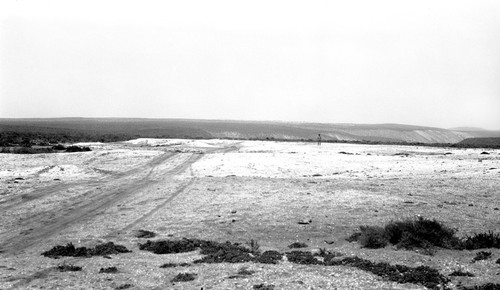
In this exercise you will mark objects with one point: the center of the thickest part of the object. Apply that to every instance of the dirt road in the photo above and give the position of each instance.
(67, 204)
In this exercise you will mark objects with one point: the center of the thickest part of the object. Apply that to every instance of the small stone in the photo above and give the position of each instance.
(305, 221)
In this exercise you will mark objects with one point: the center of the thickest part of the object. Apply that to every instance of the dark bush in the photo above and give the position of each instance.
(270, 257)
(77, 149)
(354, 237)
(184, 277)
(59, 147)
(482, 241)
(172, 265)
(422, 275)
(297, 245)
(145, 234)
(421, 233)
(254, 247)
(263, 287)
(109, 270)
(71, 251)
(372, 237)
(305, 258)
(408, 234)
(169, 247)
(487, 286)
(481, 255)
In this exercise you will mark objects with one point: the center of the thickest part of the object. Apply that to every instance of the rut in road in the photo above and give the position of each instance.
(92, 206)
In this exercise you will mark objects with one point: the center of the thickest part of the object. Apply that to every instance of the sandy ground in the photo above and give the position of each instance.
(236, 191)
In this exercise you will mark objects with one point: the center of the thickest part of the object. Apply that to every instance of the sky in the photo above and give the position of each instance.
(430, 63)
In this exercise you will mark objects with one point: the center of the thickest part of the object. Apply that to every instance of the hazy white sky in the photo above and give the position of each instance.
(434, 63)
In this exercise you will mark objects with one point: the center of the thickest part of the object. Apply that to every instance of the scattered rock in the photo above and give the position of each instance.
(68, 268)
(304, 221)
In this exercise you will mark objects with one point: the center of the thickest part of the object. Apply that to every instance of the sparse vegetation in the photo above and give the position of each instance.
(481, 255)
(270, 257)
(409, 234)
(143, 234)
(173, 265)
(99, 250)
(68, 268)
(482, 241)
(461, 273)
(254, 246)
(422, 275)
(263, 287)
(77, 149)
(242, 272)
(372, 237)
(184, 277)
(487, 286)
(305, 258)
(109, 270)
(297, 245)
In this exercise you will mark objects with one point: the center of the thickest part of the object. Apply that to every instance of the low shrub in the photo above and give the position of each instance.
(270, 257)
(184, 277)
(242, 272)
(482, 241)
(487, 286)
(109, 270)
(297, 245)
(422, 275)
(145, 234)
(99, 250)
(263, 287)
(172, 265)
(254, 247)
(408, 234)
(77, 149)
(169, 247)
(372, 237)
(481, 255)
(304, 258)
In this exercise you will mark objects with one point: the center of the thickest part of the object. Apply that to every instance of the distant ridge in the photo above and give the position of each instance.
(119, 129)
(467, 129)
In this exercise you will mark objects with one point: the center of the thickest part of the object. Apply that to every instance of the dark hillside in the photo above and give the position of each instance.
(493, 142)
(53, 130)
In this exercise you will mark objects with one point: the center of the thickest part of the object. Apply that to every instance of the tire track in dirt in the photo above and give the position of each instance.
(42, 192)
(178, 191)
(84, 207)
(124, 187)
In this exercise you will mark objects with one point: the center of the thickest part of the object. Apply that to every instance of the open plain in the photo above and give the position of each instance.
(275, 193)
